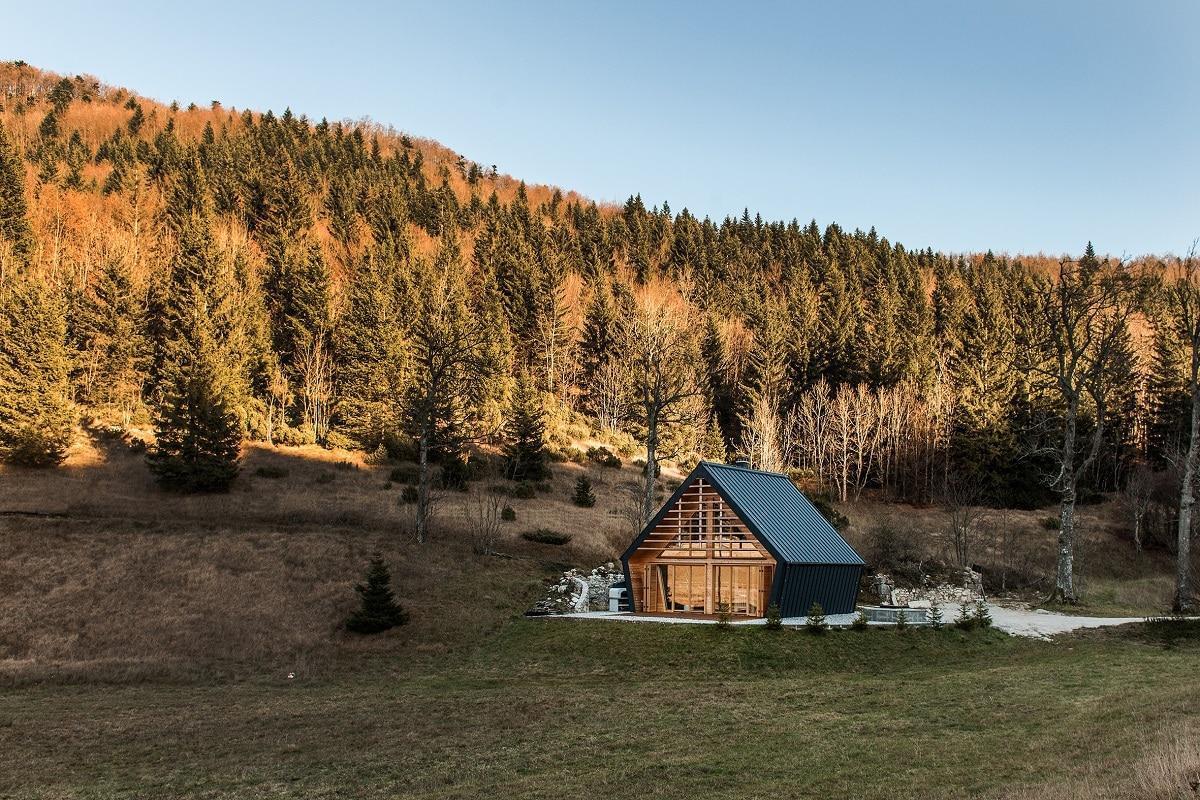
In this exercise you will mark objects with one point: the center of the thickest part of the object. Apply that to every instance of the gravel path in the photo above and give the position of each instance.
(1033, 623)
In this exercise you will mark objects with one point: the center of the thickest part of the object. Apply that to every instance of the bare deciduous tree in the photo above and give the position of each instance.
(961, 496)
(1137, 496)
(315, 369)
(482, 512)
(1181, 315)
(663, 356)
(1074, 328)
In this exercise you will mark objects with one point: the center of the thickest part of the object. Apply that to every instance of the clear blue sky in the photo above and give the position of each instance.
(962, 125)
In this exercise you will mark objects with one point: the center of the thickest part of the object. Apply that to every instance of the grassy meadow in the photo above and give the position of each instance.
(147, 639)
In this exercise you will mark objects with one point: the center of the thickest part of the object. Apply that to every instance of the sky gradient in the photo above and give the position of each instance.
(1020, 127)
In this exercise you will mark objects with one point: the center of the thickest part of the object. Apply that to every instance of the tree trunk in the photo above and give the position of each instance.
(651, 462)
(1064, 585)
(1184, 602)
(423, 489)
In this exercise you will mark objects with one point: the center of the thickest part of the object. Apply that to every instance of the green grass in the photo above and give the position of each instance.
(549, 708)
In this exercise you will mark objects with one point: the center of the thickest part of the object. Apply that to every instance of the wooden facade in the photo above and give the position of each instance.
(701, 558)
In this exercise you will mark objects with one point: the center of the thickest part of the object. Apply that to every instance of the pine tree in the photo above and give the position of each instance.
(583, 496)
(379, 610)
(198, 436)
(37, 417)
(112, 336)
(815, 622)
(14, 211)
(372, 352)
(525, 454)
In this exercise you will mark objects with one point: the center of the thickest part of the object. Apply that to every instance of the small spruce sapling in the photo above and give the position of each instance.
(724, 616)
(859, 623)
(774, 618)
(902, 621)
(379, 610)
(935, 617)
(964, 620)
(983, 617)
(583, 497)
(508, 514)
(815, 624)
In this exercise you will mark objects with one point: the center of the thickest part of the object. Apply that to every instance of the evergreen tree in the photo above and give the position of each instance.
(14, 211)
(112, 337)
(37, 417)
(198, 436)
(372, 352)
(583, 495)
(525, 454)
(379, 610)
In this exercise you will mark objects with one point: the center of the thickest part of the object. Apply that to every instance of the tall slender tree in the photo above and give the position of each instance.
(37, 416)
(1181, 317)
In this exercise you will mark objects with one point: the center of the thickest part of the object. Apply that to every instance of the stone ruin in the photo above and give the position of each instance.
(580, 591)
(889, 594)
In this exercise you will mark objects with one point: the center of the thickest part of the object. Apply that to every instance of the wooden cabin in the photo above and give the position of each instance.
(740, 539)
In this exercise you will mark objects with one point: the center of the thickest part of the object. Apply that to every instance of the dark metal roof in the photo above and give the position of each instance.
(774, 510)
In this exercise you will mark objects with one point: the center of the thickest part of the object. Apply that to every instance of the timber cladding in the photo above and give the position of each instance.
(735, 539)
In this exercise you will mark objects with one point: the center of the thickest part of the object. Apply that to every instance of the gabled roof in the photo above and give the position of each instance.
(774, 510)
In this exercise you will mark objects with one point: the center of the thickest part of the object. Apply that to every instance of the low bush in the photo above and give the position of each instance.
(325, 477)
(271, 473)
(507, 513)
(1051, 523)
(859, 623)
(774, 617)
(546, 536)
(454, 474)
(815, 623)
(405, 473)
(983, 617)
(935, 617)
(522, 490)
(604, 457)
(409, 495)
(964, 621)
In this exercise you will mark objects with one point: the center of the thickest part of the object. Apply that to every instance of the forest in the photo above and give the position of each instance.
(220, 276)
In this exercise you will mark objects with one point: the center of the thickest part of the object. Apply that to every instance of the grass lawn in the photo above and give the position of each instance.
(554, 708)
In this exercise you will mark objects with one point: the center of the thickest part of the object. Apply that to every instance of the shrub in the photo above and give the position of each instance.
(935, 617)
(604, 457)
(546, 536)
(724, 616)
(454, 474)
(964, 621)
(859, 623)
(271, 473)
(815, 624)
(774, 618)
(1051, 523)
(409, 495)
(379, 610)
(583, 496)
(902, 620)
(983, 617)
(507, 513)
(325, 477)
(544, 486)
(406, 473)
(522, 490)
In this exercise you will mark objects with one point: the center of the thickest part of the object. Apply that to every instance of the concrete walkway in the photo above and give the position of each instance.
(1036, 624)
